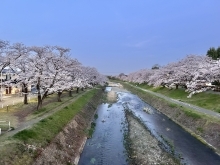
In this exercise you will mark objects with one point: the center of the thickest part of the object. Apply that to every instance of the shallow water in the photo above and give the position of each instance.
(106, 146)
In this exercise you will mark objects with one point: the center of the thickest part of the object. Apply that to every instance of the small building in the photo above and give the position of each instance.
(6, 75)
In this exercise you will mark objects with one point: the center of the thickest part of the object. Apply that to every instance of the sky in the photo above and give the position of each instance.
(115, 36)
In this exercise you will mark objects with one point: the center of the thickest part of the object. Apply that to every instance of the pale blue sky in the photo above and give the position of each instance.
(115, 36)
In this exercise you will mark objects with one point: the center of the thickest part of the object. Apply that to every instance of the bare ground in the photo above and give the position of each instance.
(145, 148)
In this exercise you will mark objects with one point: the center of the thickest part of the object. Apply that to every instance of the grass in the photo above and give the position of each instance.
(96, 116)
(49, 104)
(191, 113)
(172, 105)
(200, 129)
(205, 100)
(90, 131)
(44, 131)
(4, 125)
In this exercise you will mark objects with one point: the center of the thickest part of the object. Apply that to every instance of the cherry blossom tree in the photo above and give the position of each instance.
(23, 76)
(9, 55)
(192, 72)
(4, 59)
(38, 67)
(59, 71)
(50, 69)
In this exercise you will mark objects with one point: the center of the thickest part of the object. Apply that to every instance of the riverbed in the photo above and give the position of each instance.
(107, 143)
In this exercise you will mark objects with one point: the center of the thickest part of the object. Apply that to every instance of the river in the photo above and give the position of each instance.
(106, 147)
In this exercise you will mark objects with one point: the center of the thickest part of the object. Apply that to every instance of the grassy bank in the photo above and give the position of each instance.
(47, 128)
(21, 112)
(28, 144)
(188, 112)
(204, 100)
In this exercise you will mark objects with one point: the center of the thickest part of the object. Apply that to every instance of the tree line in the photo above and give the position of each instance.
(51, 69)
(194, 73)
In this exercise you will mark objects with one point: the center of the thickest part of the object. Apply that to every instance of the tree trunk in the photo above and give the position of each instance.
(77, 90)
(177, 86)
(70, 93)
(103, 88)
(82, 89)
(44, 96)
(39, 102)
(59, 96)
(25, 94)
(39, 98)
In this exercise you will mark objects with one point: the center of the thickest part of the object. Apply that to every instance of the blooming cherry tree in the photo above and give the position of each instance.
(192, 72)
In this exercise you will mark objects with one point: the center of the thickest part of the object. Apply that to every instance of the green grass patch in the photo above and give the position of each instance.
(200, 129)
(172, 105)
(205, 99)
(4, 126)
(96, 116)
(51, 105)
(91, 130)
(40, 111)
(192, 114)
(44, 131)
(25, 135)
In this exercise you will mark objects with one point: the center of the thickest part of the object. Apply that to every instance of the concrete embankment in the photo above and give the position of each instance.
(67, 146)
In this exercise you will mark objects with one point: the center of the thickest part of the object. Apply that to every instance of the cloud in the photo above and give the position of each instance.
(139, 44)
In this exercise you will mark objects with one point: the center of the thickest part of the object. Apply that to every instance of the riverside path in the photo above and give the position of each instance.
(187, 105)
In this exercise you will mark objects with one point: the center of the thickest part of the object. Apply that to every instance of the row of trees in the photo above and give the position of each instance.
(49, 68)
(194, 73)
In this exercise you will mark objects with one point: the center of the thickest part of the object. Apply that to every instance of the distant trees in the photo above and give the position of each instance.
(122, 75)
(156, 66)
(214, 53)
